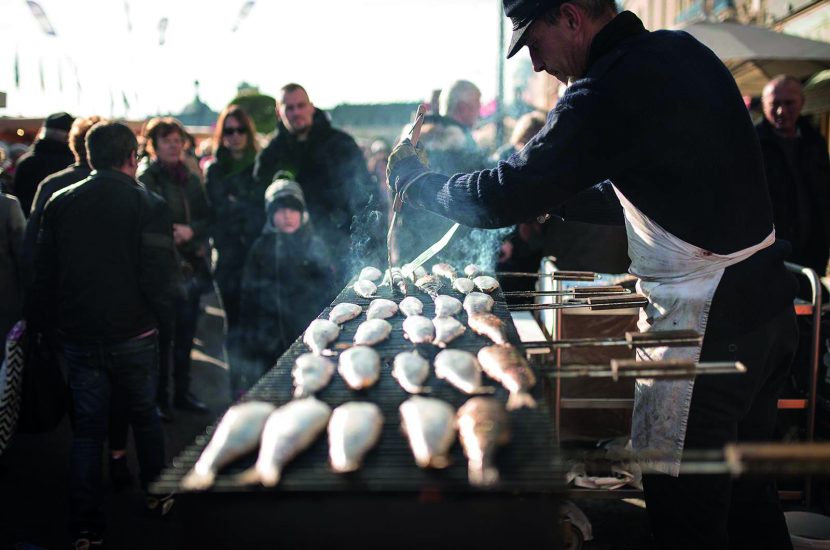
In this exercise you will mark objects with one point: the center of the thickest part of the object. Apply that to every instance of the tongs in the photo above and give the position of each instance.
(396, 280)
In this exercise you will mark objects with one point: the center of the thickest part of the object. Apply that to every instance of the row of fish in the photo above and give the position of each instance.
(366, 285)
(353, 428)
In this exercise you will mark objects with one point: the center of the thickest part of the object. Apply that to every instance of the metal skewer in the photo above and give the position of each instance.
(576, 291)
(594, 303)
(629, 368)
(667, 338)
(556, 275)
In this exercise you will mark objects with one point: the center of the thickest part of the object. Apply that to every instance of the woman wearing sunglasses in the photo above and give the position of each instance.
(238, 208)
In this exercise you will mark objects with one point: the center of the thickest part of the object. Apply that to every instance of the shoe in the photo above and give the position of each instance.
(158, 506)
(165, 414)
(88, 540)
(189, 402)
(120, 476)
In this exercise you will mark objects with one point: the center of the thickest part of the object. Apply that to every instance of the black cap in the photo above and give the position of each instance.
(59, 121)
(288, 201)
(522, 13)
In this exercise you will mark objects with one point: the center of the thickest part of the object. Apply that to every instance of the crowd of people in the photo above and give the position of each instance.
(110, 240)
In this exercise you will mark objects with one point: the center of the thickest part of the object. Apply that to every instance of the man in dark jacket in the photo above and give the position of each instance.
(104, 265)
(330, 168)
(57, 181)
(798, 173)
(49, 154)
(654, 123)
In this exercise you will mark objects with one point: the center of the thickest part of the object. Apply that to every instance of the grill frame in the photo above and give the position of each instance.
(528, 463)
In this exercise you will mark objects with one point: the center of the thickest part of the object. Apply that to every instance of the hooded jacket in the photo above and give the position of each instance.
(287, 281)
(46, 157)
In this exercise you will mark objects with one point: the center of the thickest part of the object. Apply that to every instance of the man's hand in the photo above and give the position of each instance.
(181, 233)
(405, 164)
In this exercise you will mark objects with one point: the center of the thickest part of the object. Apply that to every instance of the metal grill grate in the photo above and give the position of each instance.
(527, 464)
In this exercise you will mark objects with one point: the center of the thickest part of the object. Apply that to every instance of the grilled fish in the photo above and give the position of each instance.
(429, 425)
(507, 366)
(463, 285)
(482, 427)
(319, 334)
(478, 302)
(447, 329)
(289, 430)
(411, 371)
(446, 306)
(445, 270)
(472, 271)
(359, 367)
(365, 288)
(381, 308)
(371, 332)
(237, 434)
(410, 306)
(418, 329)
(344, 312)
(354, 428)
(461, 370)
(488, 325)
(311, 373)
(429, 284)
(415, 274)
(370, 274)
(485, 283)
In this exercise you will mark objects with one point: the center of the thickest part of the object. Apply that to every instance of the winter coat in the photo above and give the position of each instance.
(188, 205)
(801, 205)
(12, 224)
(331, 170)
(237, 203)
(46, 157)
(287, 282)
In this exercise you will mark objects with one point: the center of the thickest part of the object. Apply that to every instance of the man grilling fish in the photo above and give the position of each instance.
(652, 133)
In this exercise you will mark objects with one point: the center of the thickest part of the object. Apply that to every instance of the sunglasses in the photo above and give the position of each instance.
(231, 131)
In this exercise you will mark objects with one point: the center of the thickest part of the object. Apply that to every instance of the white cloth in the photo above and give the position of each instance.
(679, 280)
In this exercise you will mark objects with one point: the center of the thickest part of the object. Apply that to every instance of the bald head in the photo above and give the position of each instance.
(783, 99)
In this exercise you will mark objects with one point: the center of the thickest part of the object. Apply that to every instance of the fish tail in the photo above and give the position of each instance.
(520, 399)
(195, 481)
(439, 462)
(251, 476)
(424, 389)
(299, 391)
(484, 390)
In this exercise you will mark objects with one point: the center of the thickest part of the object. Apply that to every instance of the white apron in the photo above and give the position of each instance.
(679, 280)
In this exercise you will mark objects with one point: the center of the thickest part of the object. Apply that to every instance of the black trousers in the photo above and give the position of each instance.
(714, 511)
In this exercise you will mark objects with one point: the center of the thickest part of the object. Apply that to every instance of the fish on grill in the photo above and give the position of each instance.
(447, 329)
(343, 312)
(463, 285)
(359, 366)
(460, 369)
(354, 429)
(488, 325)
(370, 274)
(418, 329)
(365, 288)
(372, 331)
(381, 308)
(478, 302)
(237, 434)
(289, 430)
(429, 284)
(485, 283)
(429, 425)
(507, 366)
(410, 306)
(411, 371)
(416, 273)
(319, 334)
(446, 306)
(311, 373)
(472, 271)
(445, 270)
(482, 427)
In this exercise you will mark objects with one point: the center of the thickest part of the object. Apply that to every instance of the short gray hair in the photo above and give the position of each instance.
(458, 92)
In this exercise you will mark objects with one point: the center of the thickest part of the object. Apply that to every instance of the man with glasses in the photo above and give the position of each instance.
(104, 268)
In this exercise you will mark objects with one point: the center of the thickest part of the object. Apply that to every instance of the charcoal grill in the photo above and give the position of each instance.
(389, 501)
